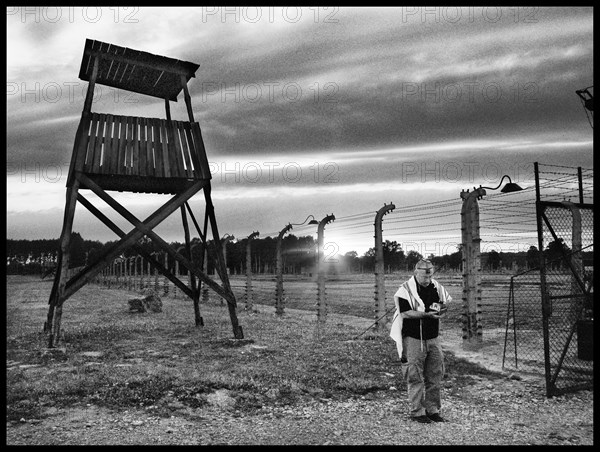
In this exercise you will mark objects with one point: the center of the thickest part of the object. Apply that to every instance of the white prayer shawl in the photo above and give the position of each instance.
(408, 291)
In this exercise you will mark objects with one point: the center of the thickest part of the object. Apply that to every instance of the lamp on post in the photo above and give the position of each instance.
(472, 330)
(279, 263)
(510, 187)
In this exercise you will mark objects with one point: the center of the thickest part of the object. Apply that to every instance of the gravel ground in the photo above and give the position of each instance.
(500, 410)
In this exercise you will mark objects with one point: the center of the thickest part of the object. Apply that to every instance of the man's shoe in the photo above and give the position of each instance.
(422, 419)
(435, 417)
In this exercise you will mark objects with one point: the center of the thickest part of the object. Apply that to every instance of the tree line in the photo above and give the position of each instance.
(299, 256)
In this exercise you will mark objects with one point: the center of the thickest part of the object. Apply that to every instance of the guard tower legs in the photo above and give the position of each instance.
(195, 292)
(231, 303)
(57, 299)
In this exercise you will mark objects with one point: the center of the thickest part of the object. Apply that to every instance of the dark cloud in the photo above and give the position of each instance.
(380, 93)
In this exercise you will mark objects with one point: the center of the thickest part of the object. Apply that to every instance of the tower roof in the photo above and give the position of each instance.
(135, 71)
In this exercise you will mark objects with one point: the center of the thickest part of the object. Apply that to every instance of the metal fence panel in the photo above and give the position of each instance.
(567, 231)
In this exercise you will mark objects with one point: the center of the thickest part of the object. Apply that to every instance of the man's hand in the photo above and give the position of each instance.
(434, 314)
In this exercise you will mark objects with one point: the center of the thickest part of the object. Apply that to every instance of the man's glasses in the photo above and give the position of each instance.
(426, 261)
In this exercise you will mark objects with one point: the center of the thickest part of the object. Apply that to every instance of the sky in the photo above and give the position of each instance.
(309, 111)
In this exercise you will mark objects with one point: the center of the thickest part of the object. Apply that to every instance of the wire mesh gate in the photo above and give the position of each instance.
(557, 342)
(524, 337)
(566, 243)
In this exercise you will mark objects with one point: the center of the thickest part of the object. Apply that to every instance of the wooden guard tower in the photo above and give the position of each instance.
(143, 155)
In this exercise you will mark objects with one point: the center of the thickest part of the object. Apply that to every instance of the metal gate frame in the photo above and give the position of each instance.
(577, 300)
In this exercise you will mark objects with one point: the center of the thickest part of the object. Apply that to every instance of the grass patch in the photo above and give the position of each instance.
(161, 360)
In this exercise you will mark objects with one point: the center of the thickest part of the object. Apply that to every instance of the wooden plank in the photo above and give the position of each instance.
(126, 132)
(165, 149)
(157, 145)
(98, 145)
(150, 168)
(177, 150)
(102, 144)
(141, 147)
(120, 131)
(192, 150)
(131, 136)
(117, 145)
(139, 159)
(112, 75)
(125, 163)
(155, 62)
(185, 150)
(89, 142)
(145, 148)
(188, 149)
(89, 156)
(119, 72)
(125, 158)
(108, 161)
(171, 149)
(109, 64)
(85, 139)
(143, 168)
(152, 148)
(108, 156)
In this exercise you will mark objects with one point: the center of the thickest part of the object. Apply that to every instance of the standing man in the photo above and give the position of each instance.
(420, 303)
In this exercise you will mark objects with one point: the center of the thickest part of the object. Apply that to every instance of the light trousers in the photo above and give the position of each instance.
(423, 373)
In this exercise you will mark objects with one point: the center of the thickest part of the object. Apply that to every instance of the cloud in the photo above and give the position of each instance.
(352, 104)
(366, 80)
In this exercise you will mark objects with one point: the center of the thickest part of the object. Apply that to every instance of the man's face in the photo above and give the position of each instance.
(423, 276)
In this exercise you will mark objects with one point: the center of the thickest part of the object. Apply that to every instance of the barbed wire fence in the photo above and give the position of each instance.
(507, 223)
